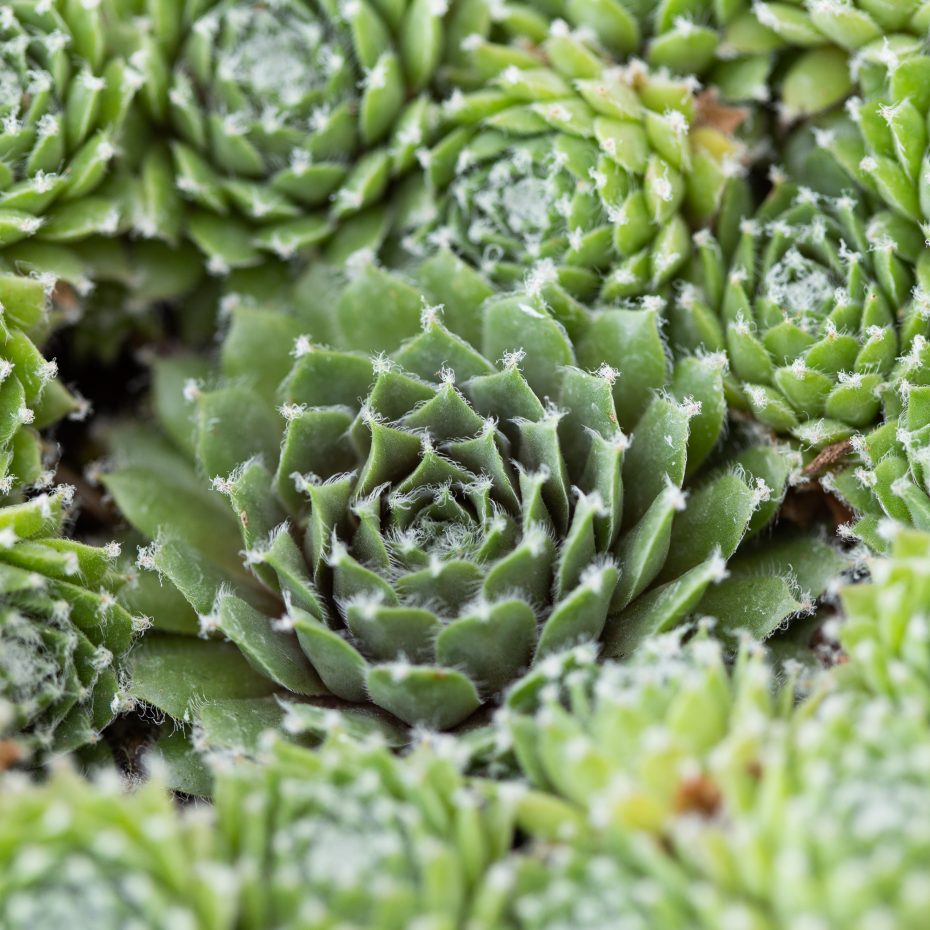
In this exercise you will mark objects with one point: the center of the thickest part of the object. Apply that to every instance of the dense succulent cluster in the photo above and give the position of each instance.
(647, 803)
(62, 633)
(735, 784)
(423, 842)
(554, 374)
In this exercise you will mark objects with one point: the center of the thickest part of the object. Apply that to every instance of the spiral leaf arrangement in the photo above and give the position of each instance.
(62, 633)
(517, 414)
(431, 522)
(804, 298)
(287, 118)
(581, 168)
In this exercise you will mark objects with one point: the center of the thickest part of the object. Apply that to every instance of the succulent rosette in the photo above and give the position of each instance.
(62, 633)
(565, 160)
(883, 629)
(880, 148)
(809, 55)
(31, 395)
(93, 854)
(62, 106)
(421, 839)
(289, 119)
(694, 785)
(811, 299)
(427, 513)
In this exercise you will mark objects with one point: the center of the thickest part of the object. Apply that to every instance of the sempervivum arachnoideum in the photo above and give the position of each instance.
(882, 147)
(62, 634)
(31, 396)
(95, 854)
(423, 840)
(811, 299)
(288, 117)
(422, 517)
(567, 159)
(62, 106)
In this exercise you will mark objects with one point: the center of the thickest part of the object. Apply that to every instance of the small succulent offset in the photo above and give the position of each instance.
(568, 164)
(760, 812)
(31, 396)
(91, 854)
(351, 835)
(832, 827)
(289, 117)
(634, 746)
(885, 623)
(811, 299)
(430, 515)
(63, 100)
(62, 634)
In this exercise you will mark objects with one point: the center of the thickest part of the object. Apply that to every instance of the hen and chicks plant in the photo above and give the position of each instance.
(422, 524)
(546, 365)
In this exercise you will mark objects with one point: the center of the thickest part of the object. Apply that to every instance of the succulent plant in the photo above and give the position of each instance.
(805, 298)
(423, 842)
(880, 149)
(837, 814)
(350, 834)
(289, 119)
(31, 396)
(635, 745)
(884, 623)
(735, 784)
(699, 37)
(817, 51)
(64, 100)
(91, 854)
(569, 166)
(430, 514)
(881, 142)
(62, 634)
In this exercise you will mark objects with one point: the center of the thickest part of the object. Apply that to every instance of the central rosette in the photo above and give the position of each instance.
(434, 510)
(424, 515)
